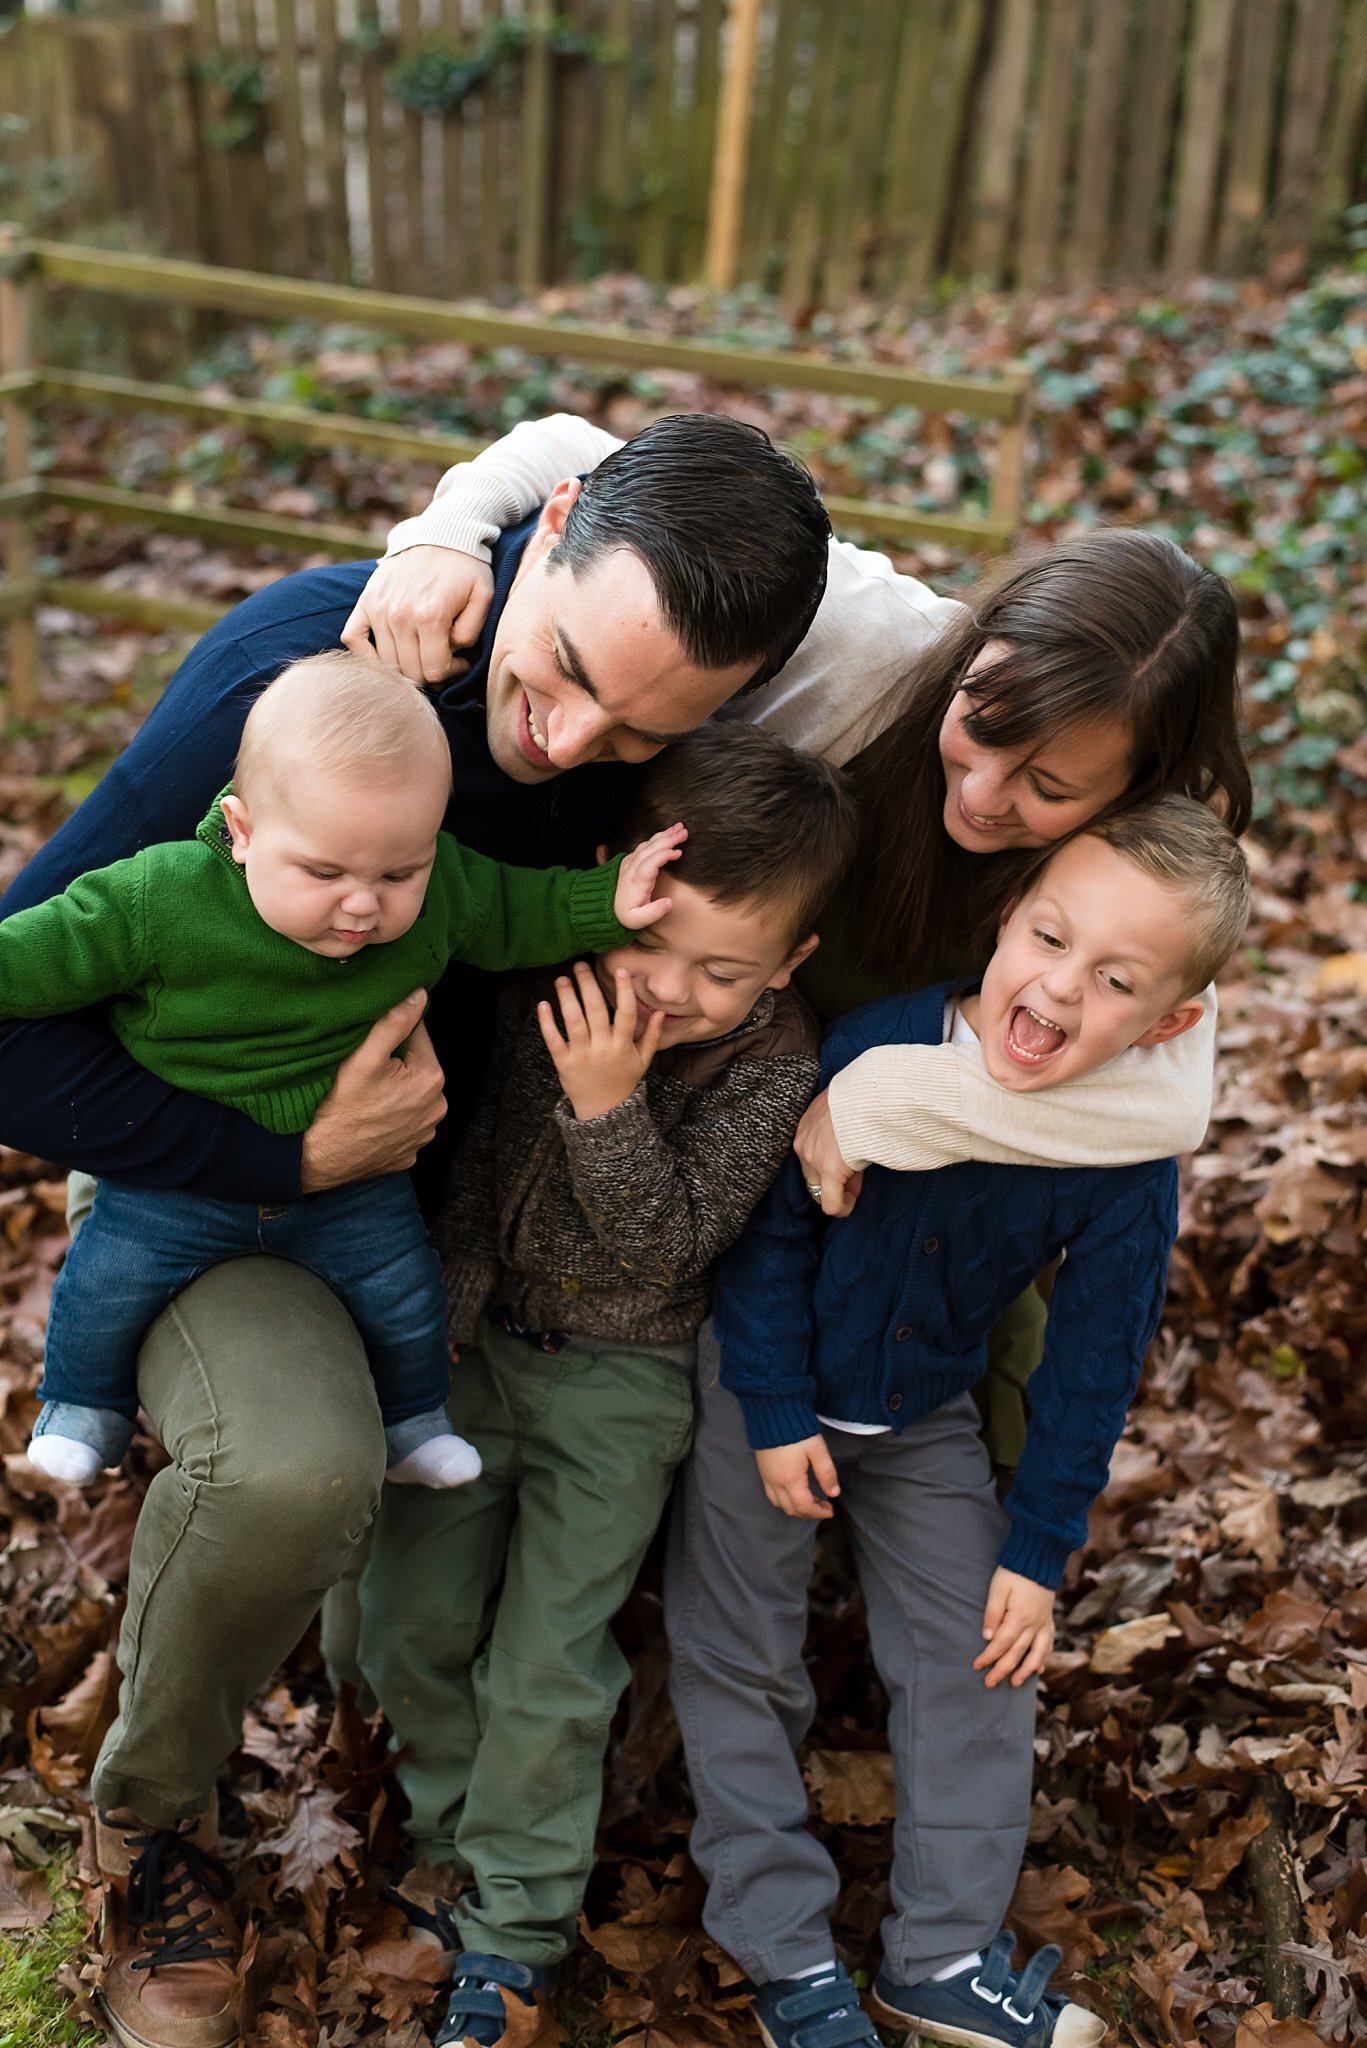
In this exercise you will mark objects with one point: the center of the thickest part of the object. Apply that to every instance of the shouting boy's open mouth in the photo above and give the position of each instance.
(1031, 1038)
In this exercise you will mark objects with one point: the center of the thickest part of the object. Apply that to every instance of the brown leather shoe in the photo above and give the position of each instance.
(168, 1939)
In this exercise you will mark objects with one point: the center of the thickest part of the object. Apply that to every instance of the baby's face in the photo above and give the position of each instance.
(1091, 962)
(336, 867)
(705, 964)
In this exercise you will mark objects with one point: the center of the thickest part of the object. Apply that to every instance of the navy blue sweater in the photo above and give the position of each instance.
(68, 1090)
(883, 1316)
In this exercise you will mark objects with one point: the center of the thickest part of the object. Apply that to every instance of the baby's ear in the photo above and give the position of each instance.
(239, 824)
(1175, 1023)
(602, 856)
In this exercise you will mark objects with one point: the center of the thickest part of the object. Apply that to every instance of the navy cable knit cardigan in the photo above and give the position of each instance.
(883, 1316)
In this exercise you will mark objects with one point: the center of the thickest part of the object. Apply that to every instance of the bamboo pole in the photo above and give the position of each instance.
(16, 537)
(733, 130)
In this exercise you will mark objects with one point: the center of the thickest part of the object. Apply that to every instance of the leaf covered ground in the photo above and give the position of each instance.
(1199, 1847)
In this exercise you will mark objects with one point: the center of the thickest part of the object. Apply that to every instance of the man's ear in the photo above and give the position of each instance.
(793, 962)
(238, 821)
(1175, 1023)
(551, 524)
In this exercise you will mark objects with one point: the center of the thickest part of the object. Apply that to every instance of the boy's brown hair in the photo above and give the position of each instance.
(1185, 845)
(765, 822)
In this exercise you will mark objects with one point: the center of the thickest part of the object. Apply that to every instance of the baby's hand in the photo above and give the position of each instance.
(788, 1471)
(599, 1058)
(1019, 1627)
(635, 903)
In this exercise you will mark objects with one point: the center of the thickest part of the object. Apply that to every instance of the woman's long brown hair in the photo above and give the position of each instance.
(1111, 625)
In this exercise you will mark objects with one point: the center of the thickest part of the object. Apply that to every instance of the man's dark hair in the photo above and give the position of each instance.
(765, 822)
(732, 530)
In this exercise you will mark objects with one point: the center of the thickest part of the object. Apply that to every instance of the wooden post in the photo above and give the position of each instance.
(534, 191)
(16, 537)
(1008, 471)
(733, 129)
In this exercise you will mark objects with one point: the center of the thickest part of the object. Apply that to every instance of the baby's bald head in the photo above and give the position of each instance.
(344, 721)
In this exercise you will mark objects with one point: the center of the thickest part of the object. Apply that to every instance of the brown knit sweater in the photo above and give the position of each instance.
(609, 1228)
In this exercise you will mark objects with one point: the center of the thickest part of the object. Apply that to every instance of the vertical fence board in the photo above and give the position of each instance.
(942, 140)
(411, 155)
(491, 173)
(535, 164)
(1307, 91)
(614, 156)
(804, 233)
(761, 221)
(289, 124)
(1052, 129)
(1345, 131)
(1149, 134)
(374, 111)
(1095, 176)
(1250, 144)
(1202, 131)
(909, 121)
(332, 141)
(853, 235)
(999, 125)
(701, 144)
(659, 155)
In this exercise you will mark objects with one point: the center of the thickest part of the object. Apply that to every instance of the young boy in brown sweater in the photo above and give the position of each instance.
(637, 1108)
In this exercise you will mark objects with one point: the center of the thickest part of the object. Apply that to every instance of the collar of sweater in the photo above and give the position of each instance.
(213, 831)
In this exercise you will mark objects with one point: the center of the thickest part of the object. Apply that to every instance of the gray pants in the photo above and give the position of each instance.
(926, 1528)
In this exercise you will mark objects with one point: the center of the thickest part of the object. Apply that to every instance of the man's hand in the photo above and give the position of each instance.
(634, 902)
(599, 1058)
(819, 1157)
(417, 607)
(1018, 1625)
(380, 1111)
(788, 1472)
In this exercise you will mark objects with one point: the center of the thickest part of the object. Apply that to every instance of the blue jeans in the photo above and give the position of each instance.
(137, 1249)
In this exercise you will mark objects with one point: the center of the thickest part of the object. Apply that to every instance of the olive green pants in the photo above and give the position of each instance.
(486, 1621)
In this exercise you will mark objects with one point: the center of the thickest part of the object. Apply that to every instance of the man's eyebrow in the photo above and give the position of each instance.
(573, 662)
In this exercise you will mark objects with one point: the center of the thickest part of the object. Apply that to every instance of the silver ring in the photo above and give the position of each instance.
(814, 1190)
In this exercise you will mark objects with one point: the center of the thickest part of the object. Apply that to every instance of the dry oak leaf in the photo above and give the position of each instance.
(1258, 2029)
(312, 1842)
(1300, 1199)
(1343, 975)
(1216, 1855)
(25, 1900)
(851, 1787)
(1250, 1516)
(635, 1950)
(1042, 1910)
(1119, 1649)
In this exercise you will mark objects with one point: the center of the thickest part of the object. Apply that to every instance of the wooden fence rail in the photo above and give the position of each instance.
(26, 265)
(447, 147)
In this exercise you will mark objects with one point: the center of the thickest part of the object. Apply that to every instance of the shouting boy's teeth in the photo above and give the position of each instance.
(1031, 1037)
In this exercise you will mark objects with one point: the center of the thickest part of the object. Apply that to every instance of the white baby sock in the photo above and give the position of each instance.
(957, 1969)
(441, 1461)
(65, 1457)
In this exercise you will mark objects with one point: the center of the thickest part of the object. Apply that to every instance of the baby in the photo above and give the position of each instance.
(246, 965)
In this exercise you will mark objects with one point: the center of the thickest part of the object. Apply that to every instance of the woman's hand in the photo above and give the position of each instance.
(634, 902)
(819, 1157)
(417, 607)
(1018, 1625)
(788, 1472)
(599, 1058)
(381, 1110)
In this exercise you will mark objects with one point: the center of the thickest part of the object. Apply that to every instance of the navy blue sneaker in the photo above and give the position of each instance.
(495, 2004)
(800, 2012)
(993, 2006)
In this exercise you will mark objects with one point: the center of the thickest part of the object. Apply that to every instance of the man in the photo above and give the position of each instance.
(623, 615)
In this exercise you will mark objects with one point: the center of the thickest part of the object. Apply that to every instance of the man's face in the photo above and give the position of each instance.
(583, 667)
(1090, 962)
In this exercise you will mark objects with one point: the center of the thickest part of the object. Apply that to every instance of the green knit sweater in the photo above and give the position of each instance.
(208, 997)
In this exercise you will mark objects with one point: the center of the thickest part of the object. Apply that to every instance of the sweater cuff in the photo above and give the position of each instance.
(877, 1120)
(772, 1420)
(1034, 1554)
(617, 1130)
(465, 524)
(596, 927)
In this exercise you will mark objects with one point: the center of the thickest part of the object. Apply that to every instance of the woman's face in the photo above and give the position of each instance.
(997, 797)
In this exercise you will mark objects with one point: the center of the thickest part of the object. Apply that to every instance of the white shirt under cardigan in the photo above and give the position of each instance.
(910, 1107)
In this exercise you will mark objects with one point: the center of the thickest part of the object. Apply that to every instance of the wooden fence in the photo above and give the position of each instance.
(26, 384)
(452, 147)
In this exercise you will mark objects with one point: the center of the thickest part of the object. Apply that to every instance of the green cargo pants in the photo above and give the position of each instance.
(485, 1621)
(257, 1385)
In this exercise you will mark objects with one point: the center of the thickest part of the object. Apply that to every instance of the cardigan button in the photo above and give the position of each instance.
(894, 1402)
(930, 1244)
(903, 1333)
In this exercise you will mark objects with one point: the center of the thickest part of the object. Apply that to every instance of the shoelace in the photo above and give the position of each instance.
(166, 1899)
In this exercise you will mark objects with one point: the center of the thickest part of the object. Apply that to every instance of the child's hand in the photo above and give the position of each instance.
(638, 874)
(599, 1058)
(1019, 1626)
(788, 1471)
